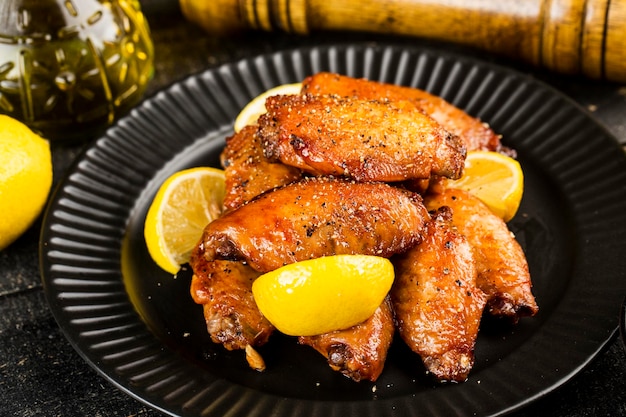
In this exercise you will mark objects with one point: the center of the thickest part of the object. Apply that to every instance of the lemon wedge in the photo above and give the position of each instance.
(324, 294)
(25, 178)
(494, 178)
(256, 107)
(184, 204)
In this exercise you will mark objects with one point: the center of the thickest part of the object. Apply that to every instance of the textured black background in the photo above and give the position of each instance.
(42, 375)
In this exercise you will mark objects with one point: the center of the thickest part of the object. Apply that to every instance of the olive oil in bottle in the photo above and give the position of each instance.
(69, 68)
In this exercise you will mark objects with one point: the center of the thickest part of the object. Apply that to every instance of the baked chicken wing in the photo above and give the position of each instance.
(368, 140)
(503, 273)
(224, 289)
(436, 301)
(358, 352)
(316, 217)
(248, 172)
(475, 134)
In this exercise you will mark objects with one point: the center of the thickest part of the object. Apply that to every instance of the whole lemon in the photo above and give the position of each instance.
(25, 178)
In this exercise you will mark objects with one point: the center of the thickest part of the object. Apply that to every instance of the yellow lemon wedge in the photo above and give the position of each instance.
(494, 178)
(324, 294)
(184, 204)
(256, 107)
(25, 178)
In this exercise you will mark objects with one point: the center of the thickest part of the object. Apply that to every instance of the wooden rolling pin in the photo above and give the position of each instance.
(586, 37)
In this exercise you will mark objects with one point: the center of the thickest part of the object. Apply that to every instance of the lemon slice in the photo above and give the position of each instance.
(494, 178)
(184, 204)
(256, 106)
(324, 294)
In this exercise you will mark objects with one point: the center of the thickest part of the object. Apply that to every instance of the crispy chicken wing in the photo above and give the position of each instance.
(475, 134)
(368, 140)
(224, 289)
(437, 304)
(315, 217)
(502, 267)
(248, 172)
(360, 351)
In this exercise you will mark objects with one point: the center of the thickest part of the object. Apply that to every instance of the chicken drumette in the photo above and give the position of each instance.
(475, 134)
(437, 304)
(358, 352)
(248, 172)
(503, 273)
(368, 140)
(316, 217)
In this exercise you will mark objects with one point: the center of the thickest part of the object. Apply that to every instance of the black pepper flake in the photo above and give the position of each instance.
(459, 283)
(296, 142)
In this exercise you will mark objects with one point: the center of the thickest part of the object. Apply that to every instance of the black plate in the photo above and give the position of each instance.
(139, 328)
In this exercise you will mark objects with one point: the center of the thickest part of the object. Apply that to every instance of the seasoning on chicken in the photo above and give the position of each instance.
(224, 289)
(475, 134)
(368, 140)
(248, 172)
(316, 217)
(436, 301)
(360, 351)
(503, 273)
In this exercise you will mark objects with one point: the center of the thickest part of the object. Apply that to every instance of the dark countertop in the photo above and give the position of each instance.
(42, 375)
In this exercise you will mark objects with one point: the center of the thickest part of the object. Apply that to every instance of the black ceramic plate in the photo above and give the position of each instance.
(139, 328)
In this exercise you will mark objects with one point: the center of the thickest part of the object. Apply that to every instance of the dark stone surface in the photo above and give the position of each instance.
(42, 375)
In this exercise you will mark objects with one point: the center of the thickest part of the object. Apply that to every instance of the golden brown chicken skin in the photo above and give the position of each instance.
(503, 273)
(358, 352)
(316, 217)
(437, 304)
(248, 172)
(475, 134)
(368, 140)
(224, 289)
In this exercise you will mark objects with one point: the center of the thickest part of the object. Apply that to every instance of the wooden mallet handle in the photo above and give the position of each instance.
(567, 36)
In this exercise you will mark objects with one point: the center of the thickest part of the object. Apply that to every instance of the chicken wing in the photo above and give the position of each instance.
(475, 134)
(315, 217)
(248, 172)
(368, 140)
(360, 351)
(437, 304)
(224, 289)
(503, 273)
